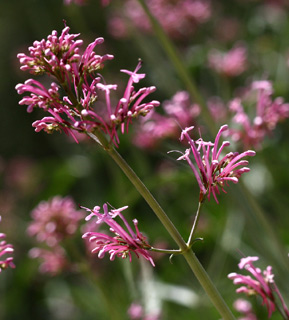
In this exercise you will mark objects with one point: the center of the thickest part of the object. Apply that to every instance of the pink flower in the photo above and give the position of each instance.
(81, 109)
(123, 243)
(179, 111)
(135, 311)
(5, 249)
(258, 283)
(53, 260)
(153, 129)
(54, 220)
(213, 173)
(268, 113)
(180, 108)
(244, 307)
(230, 64)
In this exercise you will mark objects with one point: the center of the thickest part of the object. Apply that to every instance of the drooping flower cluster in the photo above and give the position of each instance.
(178, 111)
(231, 63)
(122, 243)
(81, 109)
(53, 221)
(5, 249)
(179, 18)
(259, 283)
(213, 170)
(268, 113)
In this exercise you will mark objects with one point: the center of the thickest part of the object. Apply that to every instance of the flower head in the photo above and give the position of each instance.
(258, 283)
(4, 250)
(230, 64)
(178, 111)
(268, 113)
(123, 242)
(245, 307)
(213, 171)
(86, 104)
(54, 220)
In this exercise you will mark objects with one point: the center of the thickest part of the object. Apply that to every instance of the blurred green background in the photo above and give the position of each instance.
(38, 166)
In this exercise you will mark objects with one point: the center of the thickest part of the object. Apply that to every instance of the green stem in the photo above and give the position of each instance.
(196, 220)
(188, 254)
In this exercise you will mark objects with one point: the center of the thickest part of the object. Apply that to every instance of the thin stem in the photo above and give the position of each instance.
(196, 220)
(188, 254)
(174, 252)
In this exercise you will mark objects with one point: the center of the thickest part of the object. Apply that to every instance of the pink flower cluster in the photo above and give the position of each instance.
(231, 63)
(213, 170)
(53, 221)
(268, 113)
(259, 283)
(179, 18)
(123, 242)
(5, 249)
(178, 111)
(81, 109)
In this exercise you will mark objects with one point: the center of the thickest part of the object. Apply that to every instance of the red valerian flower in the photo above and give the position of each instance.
(269, 112)
(54, 220)
(81, 108)
(213, 170)
(122, 243)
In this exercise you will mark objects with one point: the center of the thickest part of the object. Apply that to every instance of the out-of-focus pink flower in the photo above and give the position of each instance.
(212, 173)
(86, 105)
(230, 64)
(135, 311)
(217, 109)
(244, 307)
(178, 111)
(258, 283)
(53, 261)
(181, 108)
(268, 113)
(178, 18)
(54, 220)
(152, 129)
(123, 243)
(5, 249)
